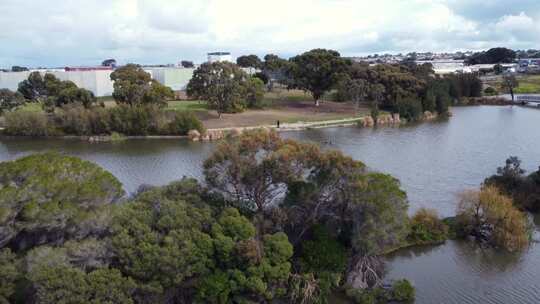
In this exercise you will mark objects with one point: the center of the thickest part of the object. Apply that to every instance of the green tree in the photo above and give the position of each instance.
(134, 86)
(33, 88)
(221, 84)
(109, 62)
(66, 284)
(317, 71)
(9, 273)
(249, 61)
(49, 198)
(274, 68)
(72, 95)
(187, 64)
(254, 92)
(9, 100)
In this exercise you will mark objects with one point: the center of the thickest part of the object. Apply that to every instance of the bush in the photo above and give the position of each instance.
(410, 108)
(427, 228)
(402, 291)
(28, 124)
(490, 91)
(182, 122)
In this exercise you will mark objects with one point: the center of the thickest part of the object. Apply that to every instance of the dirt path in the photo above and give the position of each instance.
(287, 113)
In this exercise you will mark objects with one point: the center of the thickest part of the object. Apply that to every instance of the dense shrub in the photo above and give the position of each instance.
(427, 228)
(182, 122)
(490, 217)
(28, 124)
(75, 119)
(490, 91)
(402, 291)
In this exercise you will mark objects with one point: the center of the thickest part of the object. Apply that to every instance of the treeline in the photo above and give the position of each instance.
(69, 110)
(406, 88)
(278, 221)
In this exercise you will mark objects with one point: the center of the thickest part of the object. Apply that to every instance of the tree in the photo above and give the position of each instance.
(250, 182)
(66, 284)
(491, 218)
(49, 198)
(249, 61)
(17, 68)
(187, 64)
(275, 69)
(221, 84)
(109, 62)
(169, 241)
(498, 69)
(9, 100)
(134, 86)
(72, 95)
(509, 84)
(9, 273)
(317, 71)
(254, 92)
(33, 88)
(492, 56)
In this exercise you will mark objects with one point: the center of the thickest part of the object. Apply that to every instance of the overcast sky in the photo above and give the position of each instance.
(84, 32)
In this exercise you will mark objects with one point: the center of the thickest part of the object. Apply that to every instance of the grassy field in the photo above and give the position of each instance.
(529, 84)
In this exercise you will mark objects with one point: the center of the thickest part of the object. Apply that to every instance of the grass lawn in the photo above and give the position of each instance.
(529, 84)
(187, 105)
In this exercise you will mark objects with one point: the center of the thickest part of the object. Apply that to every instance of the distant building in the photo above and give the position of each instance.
(219, 56)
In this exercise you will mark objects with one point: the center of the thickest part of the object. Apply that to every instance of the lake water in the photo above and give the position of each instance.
(434, 162)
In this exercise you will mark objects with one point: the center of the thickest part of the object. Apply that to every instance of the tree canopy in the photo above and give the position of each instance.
(10, 100)
(316, 71)
(48, 198)
(133, 86)
(249, 61)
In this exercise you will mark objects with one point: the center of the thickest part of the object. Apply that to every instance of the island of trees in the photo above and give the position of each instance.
(275, 220)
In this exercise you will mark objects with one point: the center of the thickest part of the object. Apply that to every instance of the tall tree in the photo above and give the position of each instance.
(221, 84)
(317, 71)
(10, 100)
(109, 62)
(134, 86)
(187, 64)
(249, 61)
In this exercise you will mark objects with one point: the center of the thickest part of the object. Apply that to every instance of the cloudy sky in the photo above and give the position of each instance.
(84, 32)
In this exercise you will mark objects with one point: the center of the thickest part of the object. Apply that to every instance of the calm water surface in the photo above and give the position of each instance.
(434, 161)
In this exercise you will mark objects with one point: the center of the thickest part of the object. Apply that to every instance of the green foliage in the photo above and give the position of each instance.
(65, 284)
(75, 119)
(403, 291)
(254, 92)
(53, 92)
(9, 273)
(410, 108)
(249, 61)
(28, 124)
(323, 253)
(222, 84)
(492, 56)
(316, 71)
(513, 181)
(182, 122)
(490, 91)
(427, 228)
(134, 87)
(47, 198)
(10, 101)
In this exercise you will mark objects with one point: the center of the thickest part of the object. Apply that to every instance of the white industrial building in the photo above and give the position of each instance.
(219, 56)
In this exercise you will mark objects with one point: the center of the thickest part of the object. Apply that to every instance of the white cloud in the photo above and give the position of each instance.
(160, 31)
